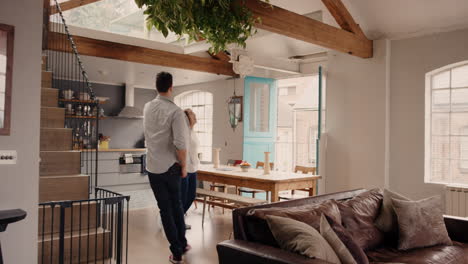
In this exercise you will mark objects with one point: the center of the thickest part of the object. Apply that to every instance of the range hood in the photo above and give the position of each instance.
(129, 110)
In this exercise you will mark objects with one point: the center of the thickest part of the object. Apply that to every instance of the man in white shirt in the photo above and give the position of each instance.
(167, 138)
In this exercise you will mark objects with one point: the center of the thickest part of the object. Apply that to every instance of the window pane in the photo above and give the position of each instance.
(459, 171)
(460, 76)
(459, 100)
(459, 124)
(259, 107)
(202, 105)
(2, 101)
(441, 101)
(440, 170)
(459, 147)
(2, 82)
(440, 147)
(440, 124)
(441, 80)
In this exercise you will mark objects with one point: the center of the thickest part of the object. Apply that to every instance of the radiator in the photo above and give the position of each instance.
(456, 201)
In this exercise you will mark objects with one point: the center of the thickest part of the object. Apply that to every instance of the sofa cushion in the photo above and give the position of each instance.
(258, 230)
(387, 220)
(358, 216)
(431, 255)
(340, 240)
(421, 223)
(301, 238)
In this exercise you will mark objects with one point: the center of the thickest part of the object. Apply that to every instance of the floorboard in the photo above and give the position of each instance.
(147, 242)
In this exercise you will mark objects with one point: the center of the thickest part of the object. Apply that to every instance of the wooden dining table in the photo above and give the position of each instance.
(273, 182)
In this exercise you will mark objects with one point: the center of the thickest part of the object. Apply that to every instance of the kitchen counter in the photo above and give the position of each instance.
(119, 150)
(122, 150)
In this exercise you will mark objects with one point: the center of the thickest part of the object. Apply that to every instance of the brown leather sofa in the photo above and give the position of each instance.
(246, 248)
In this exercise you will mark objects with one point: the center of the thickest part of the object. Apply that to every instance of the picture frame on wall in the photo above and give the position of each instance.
(7, 35)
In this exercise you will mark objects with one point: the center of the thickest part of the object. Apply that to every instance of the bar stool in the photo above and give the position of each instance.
(7, 217)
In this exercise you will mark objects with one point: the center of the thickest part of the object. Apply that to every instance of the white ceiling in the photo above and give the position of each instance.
(393, 18)
(378, 18)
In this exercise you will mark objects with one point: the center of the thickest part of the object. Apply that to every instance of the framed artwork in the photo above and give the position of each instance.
(7, 35)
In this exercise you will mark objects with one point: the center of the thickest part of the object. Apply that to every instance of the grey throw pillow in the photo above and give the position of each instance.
(301, 238)
(421, 223)
(387, 220)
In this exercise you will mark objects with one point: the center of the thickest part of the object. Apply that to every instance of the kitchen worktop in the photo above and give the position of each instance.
(119, 150)
(122, 150)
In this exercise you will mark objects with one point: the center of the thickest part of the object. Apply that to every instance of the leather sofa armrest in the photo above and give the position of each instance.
(457, 228)
(240, 251)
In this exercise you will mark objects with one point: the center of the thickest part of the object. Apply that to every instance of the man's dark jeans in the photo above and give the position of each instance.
(188, 190)
(166, 189)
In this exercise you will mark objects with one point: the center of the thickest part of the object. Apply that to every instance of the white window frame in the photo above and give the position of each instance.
(428, 121)
(178, 99)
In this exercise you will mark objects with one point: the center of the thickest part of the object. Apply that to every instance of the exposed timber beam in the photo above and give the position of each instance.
(343, 17)
(222, 56)
(124, 52)
(284, 22)
(70, 4)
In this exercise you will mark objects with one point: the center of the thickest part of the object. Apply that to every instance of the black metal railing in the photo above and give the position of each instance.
(82, 107)
(85, 231)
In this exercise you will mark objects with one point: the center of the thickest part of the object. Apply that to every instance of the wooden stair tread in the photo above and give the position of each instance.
(49, 97)
(56, 139)
(76, 211)
(52, 117)
(63, 187)
(60, 162)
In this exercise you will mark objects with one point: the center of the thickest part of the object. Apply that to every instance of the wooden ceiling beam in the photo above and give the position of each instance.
(343, 17)
(124, 52)
(222, 56)
(287, 23)
(71, 4)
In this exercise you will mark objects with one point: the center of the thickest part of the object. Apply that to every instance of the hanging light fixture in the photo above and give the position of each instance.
(235, 108)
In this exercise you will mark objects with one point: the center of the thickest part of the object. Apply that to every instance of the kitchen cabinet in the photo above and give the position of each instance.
(109, 174)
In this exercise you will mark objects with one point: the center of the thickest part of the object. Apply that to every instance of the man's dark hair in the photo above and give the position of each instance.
(163, 82)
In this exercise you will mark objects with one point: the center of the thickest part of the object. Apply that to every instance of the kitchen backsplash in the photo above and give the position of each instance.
(124, 133)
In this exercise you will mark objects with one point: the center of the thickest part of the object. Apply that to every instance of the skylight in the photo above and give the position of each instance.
(121, 17)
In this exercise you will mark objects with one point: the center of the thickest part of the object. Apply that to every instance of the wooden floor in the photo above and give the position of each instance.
(148, 244)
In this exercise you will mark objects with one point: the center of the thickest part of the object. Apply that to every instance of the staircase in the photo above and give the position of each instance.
(78, 221)
(61, 180)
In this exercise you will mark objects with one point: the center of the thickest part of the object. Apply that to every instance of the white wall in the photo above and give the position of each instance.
(411, 60)
(19, 183)
(356, 120)
(224, 137)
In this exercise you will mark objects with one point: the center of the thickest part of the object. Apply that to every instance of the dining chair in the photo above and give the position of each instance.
(304, 170)
(223, 187)
(242, 190)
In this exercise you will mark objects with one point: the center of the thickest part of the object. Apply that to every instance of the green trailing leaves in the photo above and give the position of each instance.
(219, 22)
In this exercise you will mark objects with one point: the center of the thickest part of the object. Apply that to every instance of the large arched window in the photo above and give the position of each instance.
(446, 153)
(201, 104)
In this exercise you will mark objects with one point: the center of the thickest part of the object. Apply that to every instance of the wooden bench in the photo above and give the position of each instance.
(235, 201)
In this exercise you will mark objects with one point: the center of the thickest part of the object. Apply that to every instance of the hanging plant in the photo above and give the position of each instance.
(219, 22)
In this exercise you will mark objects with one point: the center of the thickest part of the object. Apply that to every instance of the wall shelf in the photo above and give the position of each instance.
(80, 101)
(84, 117)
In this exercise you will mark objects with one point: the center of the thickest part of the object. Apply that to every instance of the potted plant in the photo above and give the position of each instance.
(219, 22)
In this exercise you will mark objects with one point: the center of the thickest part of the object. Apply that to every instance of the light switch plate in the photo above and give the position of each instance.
(8, 157)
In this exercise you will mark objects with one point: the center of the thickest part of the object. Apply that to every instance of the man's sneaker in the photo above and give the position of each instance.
(187, 248)
(187, 227)
(175, 260)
